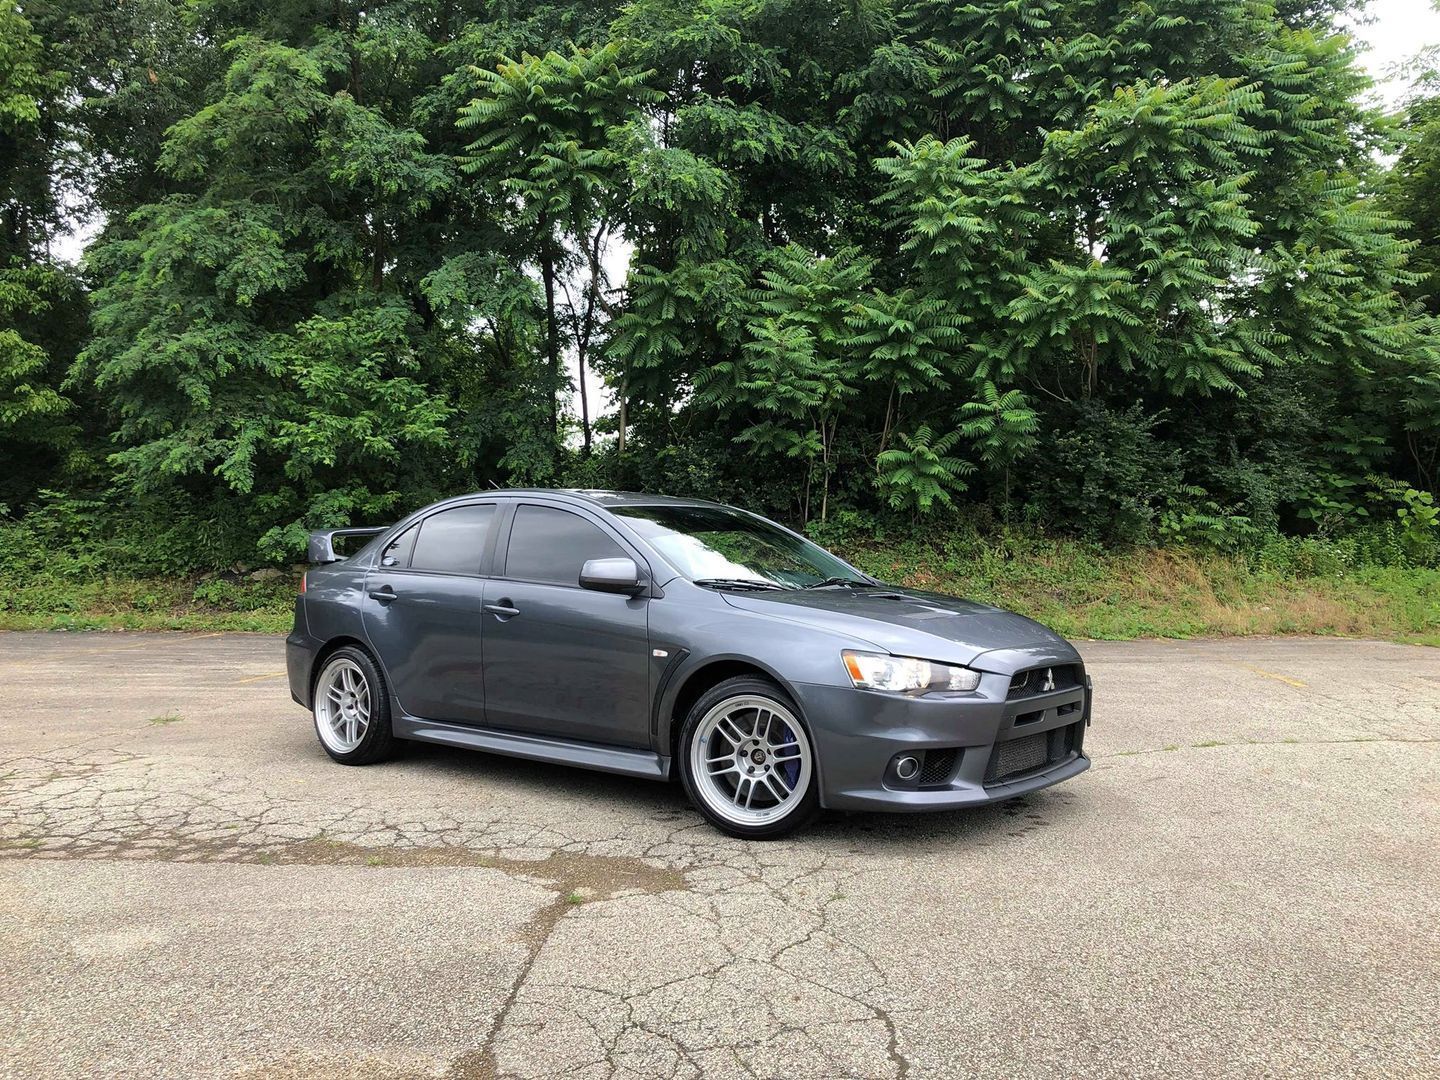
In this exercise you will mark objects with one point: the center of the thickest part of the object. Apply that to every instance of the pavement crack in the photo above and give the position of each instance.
(572, 874)
(484, 1063)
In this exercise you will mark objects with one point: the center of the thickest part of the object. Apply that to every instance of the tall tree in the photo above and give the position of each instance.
(41, 310)
(549, 131)
(268, 324)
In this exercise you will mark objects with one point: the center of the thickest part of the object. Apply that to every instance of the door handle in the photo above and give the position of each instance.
(502, 609)
(384, 595)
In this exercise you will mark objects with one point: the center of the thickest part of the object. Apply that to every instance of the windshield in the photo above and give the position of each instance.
(711, 543)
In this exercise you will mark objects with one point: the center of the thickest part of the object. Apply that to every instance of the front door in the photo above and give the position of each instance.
(559, 659)
(423, 610)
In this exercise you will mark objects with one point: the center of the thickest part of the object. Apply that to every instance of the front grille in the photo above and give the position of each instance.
(937, 767)
(1027, 683)
(1030, 753)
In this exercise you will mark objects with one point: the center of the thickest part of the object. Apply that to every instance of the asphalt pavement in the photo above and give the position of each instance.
(1246, 883)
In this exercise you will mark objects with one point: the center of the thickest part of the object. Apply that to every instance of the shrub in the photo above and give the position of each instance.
(1101, 473)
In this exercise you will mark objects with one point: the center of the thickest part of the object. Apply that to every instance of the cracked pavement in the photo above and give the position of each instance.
(1246, 883)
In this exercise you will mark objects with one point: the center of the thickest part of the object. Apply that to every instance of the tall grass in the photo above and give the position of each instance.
(1084, 592)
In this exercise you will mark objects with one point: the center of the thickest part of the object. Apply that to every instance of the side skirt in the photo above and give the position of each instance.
(612, 759)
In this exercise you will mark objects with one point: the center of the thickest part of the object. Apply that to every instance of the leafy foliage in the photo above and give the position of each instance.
(41, 303)
(921, 472)
(1127, 271)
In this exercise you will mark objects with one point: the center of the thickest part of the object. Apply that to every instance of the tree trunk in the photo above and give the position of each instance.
(349, 22)
(624, 391)
(1423, 462)
(1089, 351)
(827, 437)
(885, 431)
(377, 257)
(552, 329)
(584, 403)
(580, 327)
(585, 327)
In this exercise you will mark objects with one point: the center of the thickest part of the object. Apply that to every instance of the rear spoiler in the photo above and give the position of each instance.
(321, 548)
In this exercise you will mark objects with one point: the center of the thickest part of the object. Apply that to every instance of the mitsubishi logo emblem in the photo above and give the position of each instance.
(1049, 683)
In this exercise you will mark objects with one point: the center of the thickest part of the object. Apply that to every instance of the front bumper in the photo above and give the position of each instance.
(969, 746)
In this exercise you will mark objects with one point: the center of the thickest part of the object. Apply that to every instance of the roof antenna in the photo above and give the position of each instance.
(493, 484)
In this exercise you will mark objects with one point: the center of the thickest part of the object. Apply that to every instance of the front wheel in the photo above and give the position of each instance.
(352, 709)
(747, 761)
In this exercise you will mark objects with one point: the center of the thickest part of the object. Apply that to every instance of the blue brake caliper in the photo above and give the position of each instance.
(791, 766)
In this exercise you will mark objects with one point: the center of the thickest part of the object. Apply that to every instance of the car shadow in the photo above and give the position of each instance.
(970, 827)
(544, 777)
(854, 831)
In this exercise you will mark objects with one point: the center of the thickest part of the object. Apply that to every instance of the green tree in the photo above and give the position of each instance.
(921, 472)
(266, 329)
(1003, 428)
(41, 309)
(1140, 264)
(906, 343)
(792, 389)
(1410, 192)
(548, 131)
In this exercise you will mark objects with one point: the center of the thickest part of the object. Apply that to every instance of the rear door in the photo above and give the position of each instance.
(423, 610)
(559, 659)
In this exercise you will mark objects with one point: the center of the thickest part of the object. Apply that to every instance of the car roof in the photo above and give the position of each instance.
(602, 498)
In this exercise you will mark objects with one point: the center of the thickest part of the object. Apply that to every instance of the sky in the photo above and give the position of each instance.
(1395, 31)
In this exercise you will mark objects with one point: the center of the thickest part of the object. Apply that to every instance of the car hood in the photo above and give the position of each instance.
(917, 623)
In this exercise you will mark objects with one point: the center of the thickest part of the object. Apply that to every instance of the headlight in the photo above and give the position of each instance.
(906, 674)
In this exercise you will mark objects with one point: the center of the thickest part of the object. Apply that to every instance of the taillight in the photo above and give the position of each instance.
(302, 580)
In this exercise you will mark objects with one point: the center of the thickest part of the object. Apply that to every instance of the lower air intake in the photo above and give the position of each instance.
(1030, 753)
(938, 766)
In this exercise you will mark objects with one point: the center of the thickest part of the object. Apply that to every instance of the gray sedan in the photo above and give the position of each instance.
(662, 638)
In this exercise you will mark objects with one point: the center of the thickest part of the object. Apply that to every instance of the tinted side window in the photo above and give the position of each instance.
(552, 545)
(397, 552)
(453, 540)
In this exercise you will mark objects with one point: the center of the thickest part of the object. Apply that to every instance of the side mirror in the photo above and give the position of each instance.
(611, 575)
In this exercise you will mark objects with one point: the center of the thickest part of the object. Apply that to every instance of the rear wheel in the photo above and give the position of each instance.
(352, 709)
(747, 761)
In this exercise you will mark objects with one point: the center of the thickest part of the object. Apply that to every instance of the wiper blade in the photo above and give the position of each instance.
(737, 583)
(850, 581)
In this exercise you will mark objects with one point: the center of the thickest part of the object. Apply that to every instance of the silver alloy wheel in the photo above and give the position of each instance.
(342, 705)
(751, 760)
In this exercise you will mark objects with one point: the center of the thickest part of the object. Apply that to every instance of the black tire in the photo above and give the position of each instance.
(378, 741)
(803, 808)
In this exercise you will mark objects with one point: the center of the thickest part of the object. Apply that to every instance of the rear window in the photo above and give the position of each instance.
(453, 540)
